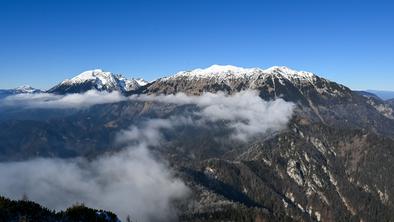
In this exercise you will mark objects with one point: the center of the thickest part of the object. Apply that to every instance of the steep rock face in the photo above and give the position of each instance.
(98, 80)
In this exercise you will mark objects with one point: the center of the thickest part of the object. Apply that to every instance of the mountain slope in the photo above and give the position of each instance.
(276, 81)
(98, 80)
(320, 99)
(312, 173)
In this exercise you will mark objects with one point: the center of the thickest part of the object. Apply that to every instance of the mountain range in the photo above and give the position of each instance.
(333, 162)
(106, 81)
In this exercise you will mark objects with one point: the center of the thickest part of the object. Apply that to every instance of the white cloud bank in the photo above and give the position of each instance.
(245, 112)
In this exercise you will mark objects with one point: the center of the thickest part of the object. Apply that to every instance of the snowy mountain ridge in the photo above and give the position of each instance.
(234, 72)
(277, 80)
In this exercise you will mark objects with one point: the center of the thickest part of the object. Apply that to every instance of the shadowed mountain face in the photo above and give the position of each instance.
(332, 163)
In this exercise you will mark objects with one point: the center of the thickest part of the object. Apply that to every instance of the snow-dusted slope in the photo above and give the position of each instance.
(99, 80)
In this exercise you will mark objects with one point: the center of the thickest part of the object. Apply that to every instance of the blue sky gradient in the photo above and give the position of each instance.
(43, 42)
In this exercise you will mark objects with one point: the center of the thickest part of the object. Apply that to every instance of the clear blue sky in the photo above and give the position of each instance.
(44, 42)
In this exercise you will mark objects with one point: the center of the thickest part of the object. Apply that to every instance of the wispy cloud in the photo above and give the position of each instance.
(53, 101)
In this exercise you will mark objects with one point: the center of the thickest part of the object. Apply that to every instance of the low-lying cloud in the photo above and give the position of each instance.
(245, 112)
(53, 101)
(133, 182)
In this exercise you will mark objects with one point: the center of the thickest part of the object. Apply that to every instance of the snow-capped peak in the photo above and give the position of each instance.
(99, 80)
(105, 77)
